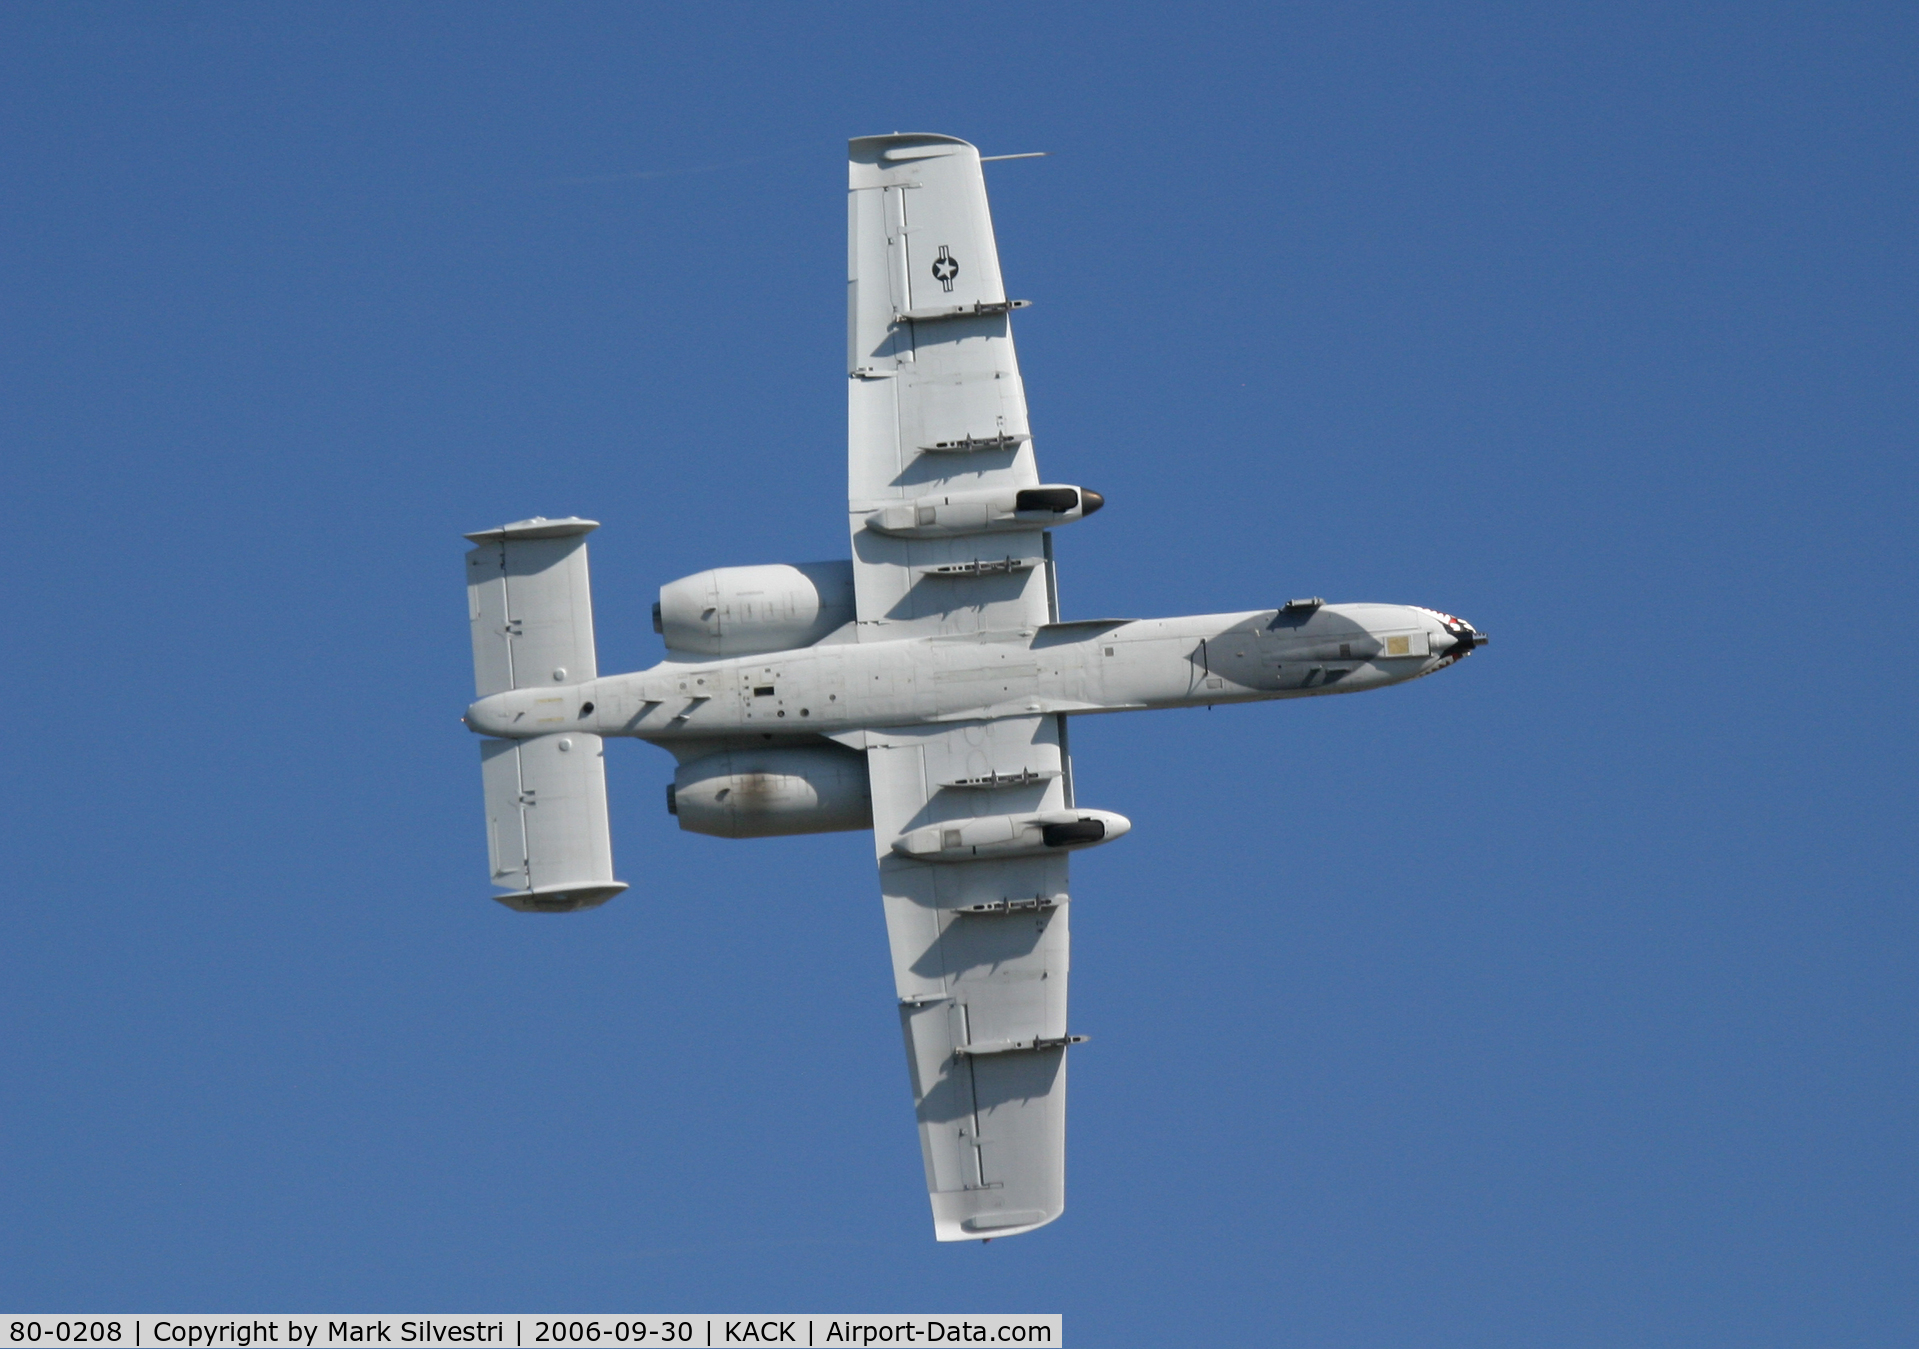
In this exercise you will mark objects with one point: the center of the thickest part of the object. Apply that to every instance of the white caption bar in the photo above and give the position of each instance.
(704, 1330)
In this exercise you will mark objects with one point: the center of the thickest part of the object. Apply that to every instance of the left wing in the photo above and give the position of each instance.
(934, 400)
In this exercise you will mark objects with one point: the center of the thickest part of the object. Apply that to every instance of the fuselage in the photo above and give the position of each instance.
(1101, 665)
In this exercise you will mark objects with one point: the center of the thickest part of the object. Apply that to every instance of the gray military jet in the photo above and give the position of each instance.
(922, 689)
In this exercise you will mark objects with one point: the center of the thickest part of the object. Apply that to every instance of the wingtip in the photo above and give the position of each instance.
(537, 527)
(964, 1216)
(873, 149)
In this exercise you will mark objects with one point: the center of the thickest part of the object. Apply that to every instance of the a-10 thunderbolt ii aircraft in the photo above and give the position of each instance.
(922, 689)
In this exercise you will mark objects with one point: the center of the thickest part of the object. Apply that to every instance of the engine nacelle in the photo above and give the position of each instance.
(742, 611)
(758, 793)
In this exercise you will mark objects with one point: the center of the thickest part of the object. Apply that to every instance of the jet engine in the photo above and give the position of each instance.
(742, 611)
(757, 793)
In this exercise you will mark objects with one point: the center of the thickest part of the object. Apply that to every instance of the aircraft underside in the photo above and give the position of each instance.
(921, 689)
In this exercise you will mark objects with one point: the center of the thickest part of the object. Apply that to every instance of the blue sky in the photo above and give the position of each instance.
(1565, 998)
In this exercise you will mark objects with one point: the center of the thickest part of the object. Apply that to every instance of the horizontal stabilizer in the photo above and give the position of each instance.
(546, 827)
(531, 606)
(532, 610)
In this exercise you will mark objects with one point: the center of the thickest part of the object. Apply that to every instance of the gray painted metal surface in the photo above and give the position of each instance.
(531, 608)
(924, 689)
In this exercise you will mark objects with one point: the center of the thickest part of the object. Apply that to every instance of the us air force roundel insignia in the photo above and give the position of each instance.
(945, 268)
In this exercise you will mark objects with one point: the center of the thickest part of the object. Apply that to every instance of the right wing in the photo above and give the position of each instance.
(980, 966)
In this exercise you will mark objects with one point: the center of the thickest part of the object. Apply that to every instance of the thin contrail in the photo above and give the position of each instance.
(712, 1247)
(647, 175)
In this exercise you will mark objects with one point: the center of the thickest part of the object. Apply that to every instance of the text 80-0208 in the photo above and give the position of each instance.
(65, 1332)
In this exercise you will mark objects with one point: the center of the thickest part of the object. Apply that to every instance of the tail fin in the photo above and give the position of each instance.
(532, 610)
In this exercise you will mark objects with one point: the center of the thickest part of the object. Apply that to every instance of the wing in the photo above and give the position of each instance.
(934, 399)
(935, 406)
(980, 965)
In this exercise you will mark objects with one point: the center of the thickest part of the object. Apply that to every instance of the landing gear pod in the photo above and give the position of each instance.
(986, 511)
(1011, 835)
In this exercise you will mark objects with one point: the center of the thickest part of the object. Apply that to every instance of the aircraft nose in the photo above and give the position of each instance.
(1458, 637)
(1089, 502)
